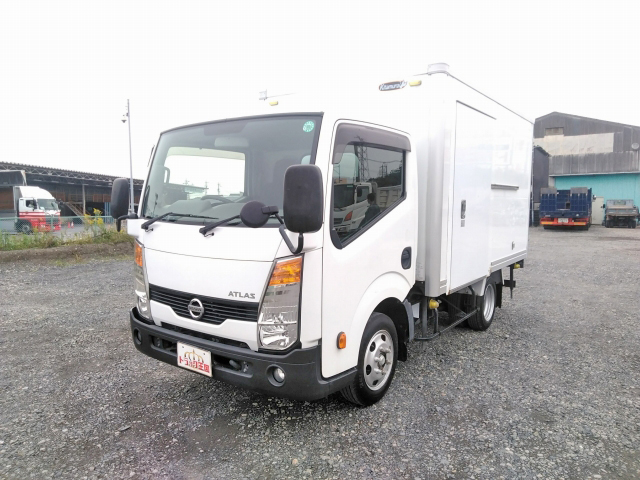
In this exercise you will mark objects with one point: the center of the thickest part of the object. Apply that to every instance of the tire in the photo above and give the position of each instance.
(487, 308)
(26, 228)
(368, 387)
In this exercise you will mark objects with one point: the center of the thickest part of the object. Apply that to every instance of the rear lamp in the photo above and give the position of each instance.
(348, 216)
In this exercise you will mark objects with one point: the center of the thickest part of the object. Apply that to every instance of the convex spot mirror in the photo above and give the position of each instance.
(303, 194)
(255, 214)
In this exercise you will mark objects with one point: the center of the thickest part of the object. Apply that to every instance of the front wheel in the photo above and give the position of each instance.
(25, 228)
(486, 308)
(376, 362)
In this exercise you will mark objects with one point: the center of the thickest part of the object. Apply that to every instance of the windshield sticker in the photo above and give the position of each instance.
(308, 126)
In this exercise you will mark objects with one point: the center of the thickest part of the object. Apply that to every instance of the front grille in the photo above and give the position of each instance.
(216, 310)
(192, 333)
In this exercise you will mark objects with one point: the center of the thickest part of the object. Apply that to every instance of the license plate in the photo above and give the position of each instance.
(194, 358)
(563, 220)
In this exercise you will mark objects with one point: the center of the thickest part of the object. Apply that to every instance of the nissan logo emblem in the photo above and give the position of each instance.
(196, 310)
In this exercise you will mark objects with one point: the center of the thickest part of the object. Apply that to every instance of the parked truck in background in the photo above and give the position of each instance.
(620, 213)
(565, 208)
(23, 208)
(258, 288)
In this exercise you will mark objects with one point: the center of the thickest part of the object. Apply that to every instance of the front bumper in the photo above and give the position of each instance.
(303, 377)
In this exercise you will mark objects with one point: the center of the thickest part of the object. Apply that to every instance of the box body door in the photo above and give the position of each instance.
(471, 196)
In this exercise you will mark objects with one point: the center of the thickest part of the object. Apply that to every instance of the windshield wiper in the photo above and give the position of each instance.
(210, 226)
(145, 225)
(193, 216)
(249, 218)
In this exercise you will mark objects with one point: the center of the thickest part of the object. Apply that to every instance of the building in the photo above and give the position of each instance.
(540, 173)
(585, 152)
(76, 192)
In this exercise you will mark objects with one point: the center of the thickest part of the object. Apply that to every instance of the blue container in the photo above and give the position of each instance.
(573, 203)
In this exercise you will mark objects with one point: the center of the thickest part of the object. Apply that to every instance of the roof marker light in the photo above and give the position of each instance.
(415, 83)
(438, 68)
(273, 103)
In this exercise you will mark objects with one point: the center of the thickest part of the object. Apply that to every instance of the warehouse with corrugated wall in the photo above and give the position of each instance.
(586, 152)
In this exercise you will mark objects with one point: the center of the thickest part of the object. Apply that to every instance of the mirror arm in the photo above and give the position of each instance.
(128, 216)
(285, 237)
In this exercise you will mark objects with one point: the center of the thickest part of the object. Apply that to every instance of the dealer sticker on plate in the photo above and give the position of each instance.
(194, 358)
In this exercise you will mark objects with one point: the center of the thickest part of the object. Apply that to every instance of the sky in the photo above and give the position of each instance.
(67, 68)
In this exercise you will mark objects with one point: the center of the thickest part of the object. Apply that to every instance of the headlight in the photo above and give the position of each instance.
(140, 284)
(278, 320)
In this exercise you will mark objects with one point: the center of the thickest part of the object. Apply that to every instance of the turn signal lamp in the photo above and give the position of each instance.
(140, 283)
(342, 340)
(348, 216)
(278, 319)
(286, 272)
(274, 103)
(415, 83)
(138, 254)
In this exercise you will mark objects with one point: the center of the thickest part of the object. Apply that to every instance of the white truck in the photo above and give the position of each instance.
(23, 208)
(249, 282)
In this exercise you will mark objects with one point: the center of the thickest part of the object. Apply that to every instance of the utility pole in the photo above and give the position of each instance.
(125, 117)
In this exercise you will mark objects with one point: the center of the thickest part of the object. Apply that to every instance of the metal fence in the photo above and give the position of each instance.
(54, 225)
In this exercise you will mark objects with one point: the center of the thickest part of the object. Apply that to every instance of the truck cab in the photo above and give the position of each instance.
(240, 293)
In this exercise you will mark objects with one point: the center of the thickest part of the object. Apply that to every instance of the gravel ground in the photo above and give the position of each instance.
(551, 390)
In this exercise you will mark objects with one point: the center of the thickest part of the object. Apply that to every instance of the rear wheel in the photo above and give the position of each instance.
(486, 308)
(376, 362)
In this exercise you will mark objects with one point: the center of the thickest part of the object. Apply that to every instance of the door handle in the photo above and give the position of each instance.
(405, 259)
(463, 209)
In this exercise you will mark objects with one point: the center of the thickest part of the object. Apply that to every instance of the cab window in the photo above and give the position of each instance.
(367, 181)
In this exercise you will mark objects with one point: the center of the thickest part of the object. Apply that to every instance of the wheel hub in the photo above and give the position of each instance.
(378, 360)
(489, 301)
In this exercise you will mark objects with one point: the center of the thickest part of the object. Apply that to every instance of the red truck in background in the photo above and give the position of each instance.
(25, 209)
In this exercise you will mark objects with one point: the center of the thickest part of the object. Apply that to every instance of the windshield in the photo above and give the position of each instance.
(212, 170)
(47, 204)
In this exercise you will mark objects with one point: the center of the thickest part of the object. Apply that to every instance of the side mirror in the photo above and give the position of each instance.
(119, 199)
(303, 198)
(302, 204)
